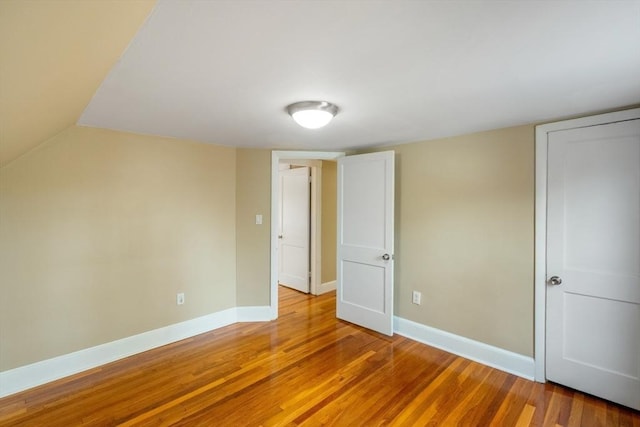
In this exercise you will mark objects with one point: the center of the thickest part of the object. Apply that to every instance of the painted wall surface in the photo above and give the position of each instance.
(54, 55)
(464, 234)
(329, 217)
(98, 232)
(100, 229)
(465, 237)
(253, 177)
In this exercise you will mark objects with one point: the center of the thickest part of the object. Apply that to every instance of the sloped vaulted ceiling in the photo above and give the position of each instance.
(223, 71)
(53, 57)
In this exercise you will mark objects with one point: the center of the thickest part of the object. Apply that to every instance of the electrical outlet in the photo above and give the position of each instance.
(417, 297)
(180, 298)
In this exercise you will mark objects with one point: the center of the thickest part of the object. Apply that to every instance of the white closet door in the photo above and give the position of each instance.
(593, 260)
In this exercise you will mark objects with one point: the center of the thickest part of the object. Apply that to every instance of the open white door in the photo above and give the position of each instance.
(294, 229)
(593, 260)
(365, 240)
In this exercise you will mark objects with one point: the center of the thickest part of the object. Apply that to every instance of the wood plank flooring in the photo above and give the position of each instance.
(306, 368)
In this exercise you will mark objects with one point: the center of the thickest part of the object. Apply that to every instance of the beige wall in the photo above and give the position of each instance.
(98, 232)
(329, 216)
(464, 235)
(53, 56)
(100, 229)
(253, 176)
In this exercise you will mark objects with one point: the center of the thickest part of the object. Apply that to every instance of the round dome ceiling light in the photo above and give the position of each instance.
(312, 114)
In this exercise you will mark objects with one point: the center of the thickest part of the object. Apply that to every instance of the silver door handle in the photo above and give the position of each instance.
(386, 257)
(555, 280)
(279, 236)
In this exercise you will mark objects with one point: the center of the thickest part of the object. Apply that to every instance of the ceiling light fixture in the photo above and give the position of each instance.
(312, 114)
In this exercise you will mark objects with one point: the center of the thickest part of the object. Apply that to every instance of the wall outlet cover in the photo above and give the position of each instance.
(417, 297)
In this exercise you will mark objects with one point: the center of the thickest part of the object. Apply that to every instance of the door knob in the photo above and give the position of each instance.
(555, 280)
(279, 236)
(386, 257)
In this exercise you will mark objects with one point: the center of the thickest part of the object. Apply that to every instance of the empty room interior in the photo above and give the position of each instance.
(253, 213)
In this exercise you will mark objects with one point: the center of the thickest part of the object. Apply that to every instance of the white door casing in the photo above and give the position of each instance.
(294, 231)
(592, 244)
(365, 240)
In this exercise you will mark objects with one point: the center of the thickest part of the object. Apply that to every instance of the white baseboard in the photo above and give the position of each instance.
(325, 287)
(35, 374)
(495, 357)
(254, 314)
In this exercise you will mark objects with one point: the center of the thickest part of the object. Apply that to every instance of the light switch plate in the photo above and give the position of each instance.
(417, 297)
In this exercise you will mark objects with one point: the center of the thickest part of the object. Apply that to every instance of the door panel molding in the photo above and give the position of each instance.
(540, 258)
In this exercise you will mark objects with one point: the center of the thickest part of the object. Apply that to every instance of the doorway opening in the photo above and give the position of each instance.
(312, 160)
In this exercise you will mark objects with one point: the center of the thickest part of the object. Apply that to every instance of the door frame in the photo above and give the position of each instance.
(540, 257)
(276, 156)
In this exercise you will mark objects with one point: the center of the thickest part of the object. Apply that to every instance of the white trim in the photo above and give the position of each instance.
(253, 314)
(315, 221)
(326, 287)
(513, 363)
(540, 262)
(35, 374)
(276, 156)
(304, 162)
(540, 254)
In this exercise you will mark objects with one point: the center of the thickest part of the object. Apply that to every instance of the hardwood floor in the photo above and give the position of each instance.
(308, 369)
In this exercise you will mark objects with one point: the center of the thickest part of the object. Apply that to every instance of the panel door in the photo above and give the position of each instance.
(294, 229)
(593, 260)
(365, 240)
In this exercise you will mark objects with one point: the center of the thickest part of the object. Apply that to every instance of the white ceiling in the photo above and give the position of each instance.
(224, 71)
